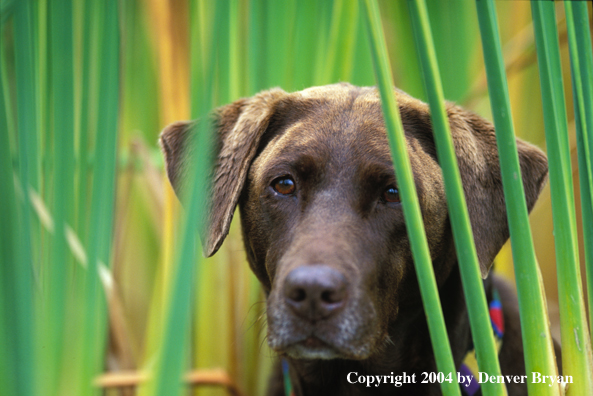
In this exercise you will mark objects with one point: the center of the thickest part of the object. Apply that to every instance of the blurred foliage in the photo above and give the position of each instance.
(157, 49)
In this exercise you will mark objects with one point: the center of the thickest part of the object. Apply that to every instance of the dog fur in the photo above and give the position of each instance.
(336, 229)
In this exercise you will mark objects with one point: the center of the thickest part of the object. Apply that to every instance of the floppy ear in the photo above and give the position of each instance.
(477, 155)
(239, 127)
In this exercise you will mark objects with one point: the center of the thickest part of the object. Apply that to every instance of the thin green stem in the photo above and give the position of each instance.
(258, 78)
(172, 354)
(464, 242)
(84, 127)
(26, 105)
(27, 154)
(9, 312)
(54, 285)
(539, 353)
(337, 62)
(576, 342)
(581, 61)
(411, 207)
(102, 198)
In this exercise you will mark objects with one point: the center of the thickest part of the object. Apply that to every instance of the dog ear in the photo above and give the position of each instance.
(477, 154)
(239, 127)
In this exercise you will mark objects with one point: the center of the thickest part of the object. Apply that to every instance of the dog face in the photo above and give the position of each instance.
(322, 223)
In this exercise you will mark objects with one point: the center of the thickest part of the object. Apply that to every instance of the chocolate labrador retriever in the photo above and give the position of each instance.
(324, 233)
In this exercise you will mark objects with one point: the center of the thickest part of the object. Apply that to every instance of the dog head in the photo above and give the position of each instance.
(322, 221)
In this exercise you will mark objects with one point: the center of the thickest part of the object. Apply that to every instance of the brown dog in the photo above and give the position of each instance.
(324, 230)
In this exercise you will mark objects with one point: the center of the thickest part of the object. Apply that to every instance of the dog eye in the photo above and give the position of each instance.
(391, 194)
(284, 185)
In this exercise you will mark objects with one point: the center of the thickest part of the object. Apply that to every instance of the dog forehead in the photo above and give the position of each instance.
(340, 92)
(340, 118)
(364, 96)
(337, 124)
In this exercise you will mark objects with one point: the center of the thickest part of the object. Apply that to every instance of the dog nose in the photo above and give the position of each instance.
(315, 292)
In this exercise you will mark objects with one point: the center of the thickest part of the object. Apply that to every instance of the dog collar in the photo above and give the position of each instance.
(469, 367)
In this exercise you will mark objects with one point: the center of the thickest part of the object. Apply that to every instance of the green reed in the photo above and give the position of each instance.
(539, 354)
(460, 223)
(411, 207)
(576, 341)
(581, 62)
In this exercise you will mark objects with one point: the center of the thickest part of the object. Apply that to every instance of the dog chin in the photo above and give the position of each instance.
(312, 348)
(299, 351)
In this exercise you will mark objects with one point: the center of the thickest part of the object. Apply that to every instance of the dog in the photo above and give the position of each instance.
(324, 231)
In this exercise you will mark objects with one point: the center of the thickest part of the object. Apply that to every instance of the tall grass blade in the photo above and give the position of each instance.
(454, 25)
(92, 338)
(257, 48)
(362, 71)
(400, 33)
(581, 62)
(41, 36)
(414, 224)
(174, 105)
(212, 26)
(170, 360)
(306, 41)
(170, 27)
(23, 269)
(235, 80)
(54, 282)
(340, 44)
(539, 353)
(221, 39)
(10, 378)
(464, 242)
(26, 98)
(7, 208)
(171, 357)
(279, 58)
(43, 95)
(6, 10)
(85, 127)
(576, 342)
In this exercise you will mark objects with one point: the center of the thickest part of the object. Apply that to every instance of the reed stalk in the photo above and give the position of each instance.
(11, 320)
(22, 268)
(576, 342)
(55, 274)
(462, 232)
(411, 207)
(538, 344)
(92, 340)
(171, 355)
(581, 62)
